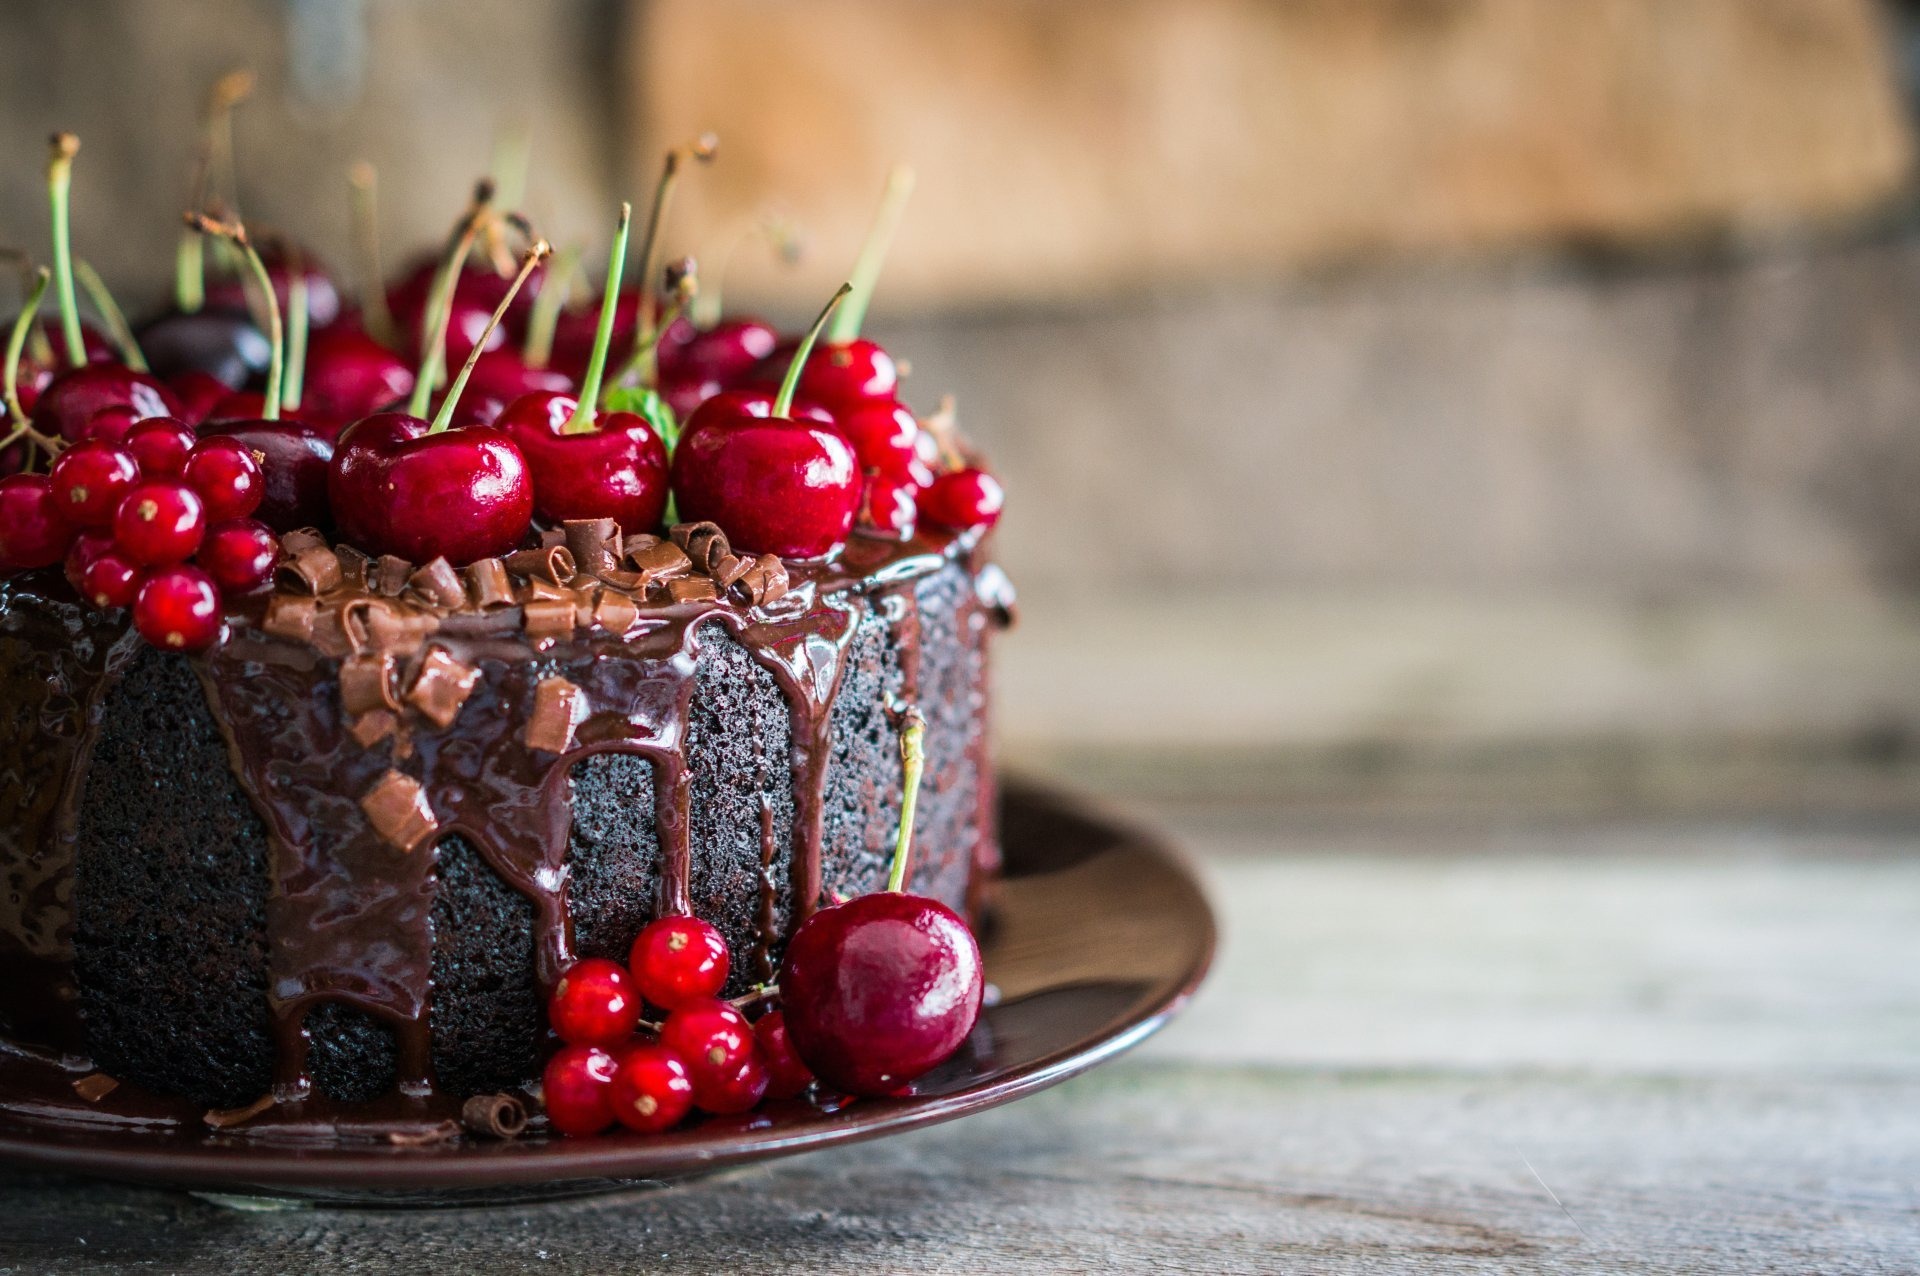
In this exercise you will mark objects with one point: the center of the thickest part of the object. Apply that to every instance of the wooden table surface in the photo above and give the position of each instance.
(1502, 1045)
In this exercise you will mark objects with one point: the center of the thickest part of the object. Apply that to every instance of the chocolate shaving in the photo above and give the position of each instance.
(546, 591)
(370, 729)
(614, 611)
(488, 584)
(390, 626)
(437, 583)
(441, 687)
(95, 1086)
(662, 560)
(290, 616)
(433, 1134)
(366, 684)
(553, 564)
(498, 1116)
(227, 1118)
(692, 589)
(630, 581)
(728, 570)
(595, 543)
(302, 538)
(355, 567)
(397, 808)
(703, 542)
(638, 543)
(551, 536)
(765, 581)
(313, 570)
(558, 709)
(549, 617)
(390, 575)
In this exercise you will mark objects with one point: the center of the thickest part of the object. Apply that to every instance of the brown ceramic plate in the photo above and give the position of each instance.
(1097, 935)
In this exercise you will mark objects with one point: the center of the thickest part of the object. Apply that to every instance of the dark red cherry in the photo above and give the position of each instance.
(32, 533)
(738, 1091)
(888, 505)
(89, 479)
(712, 1037)
(725, 352)
(679, 961)
(223, 344)
(616, 469)
(840, 376)
(879, 990)
(787, 1076)
(323, 295)
(594, 1004)
(197, 394)
(160, 445)
(963, 500)
(112, 580)
(226, 476)
(350, 375)
(458, 494)
(775, 485)
(476, 293)
(239, 554)
(686, 391)
(86, 547)
(67, 407)
(294, 457)
(177, 609)
(504, 375)
(651, 1089)
(577, 1087)
(160, 522)
(574, 333)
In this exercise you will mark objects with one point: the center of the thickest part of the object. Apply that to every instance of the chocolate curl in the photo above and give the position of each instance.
(437, 583)
(559, 708)
(370, 729)
(488, 585)
(390, 575)
(497, 1116)
(551, 536)
(692, 589)
(703, 542)
(95, 1086)
(392, 627)
(549, 617)
(637, 542)
(614, 612)
(356, 569)
(366, 684)
(540, 590)
(302, 538)
(765, 581)
(594, 542)
(632, 582)
(551, 563)
(314, 570)
(227, 1118)
(441, 1132)
(290, 617)
(728, 570)
(397, 808)
(442, 686)
(660, 561)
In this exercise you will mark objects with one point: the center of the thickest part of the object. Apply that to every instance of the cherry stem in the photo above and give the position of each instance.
(236, 234)
(703, 149)
(535, 255)
(298, 321)
(783, 402)
(189, 274)
(779, 233)
(17, 342)
(873, 254)
(363, 190)
(228, 92)
(59, 189)
(913, 759)
(536, 351)
(583, 411)
(512, 156)
(440, 298)
(642, 363)
(118, 330)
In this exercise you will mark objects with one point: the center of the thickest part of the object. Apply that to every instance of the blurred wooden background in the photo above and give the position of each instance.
(1499, 395)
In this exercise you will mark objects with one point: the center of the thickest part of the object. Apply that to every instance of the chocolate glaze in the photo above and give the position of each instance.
(349, 915)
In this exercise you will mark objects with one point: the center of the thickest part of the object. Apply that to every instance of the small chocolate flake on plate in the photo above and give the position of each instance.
(442, 1132)
(95, 1086)
(227, 1118)
(497, 1116)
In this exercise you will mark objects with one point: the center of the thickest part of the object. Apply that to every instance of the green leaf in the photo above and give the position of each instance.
(647, 404)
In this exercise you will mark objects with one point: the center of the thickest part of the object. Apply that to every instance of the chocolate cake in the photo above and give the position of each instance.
(337, 860)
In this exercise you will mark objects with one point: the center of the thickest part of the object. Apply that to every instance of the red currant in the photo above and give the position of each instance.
(111, 580)
(578, 1087)
(32, 533)
(651, 1089)
(177, 609)
(227, 476)
(594, 1004)
(239, 554)
(786, 1075)
(109, 425)
(713, 1038)
(160, 522)
(964, 499)
(86, 547)
(161, 445)
(740, 1091)
(678, 961)
(89, 479)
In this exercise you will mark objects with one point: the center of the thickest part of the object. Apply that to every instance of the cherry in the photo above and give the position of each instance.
(89, 479)
(651, 1089)
(575, 332)
(712, 1037)
(738, 1091)
(177, 609)
(32, 533)
(678, 961)
(577, 1087)
(87, 546)
(290, 269)
(227, 478)
(775, 484)
(68, 406)
(223, 344)
(881, 989)
(884, 435)
(239, 554)
(642, 364)
(963, 500)
(787, 1076)
(684, 390)
(111, 580)
(350, 375)
(594, 1004)
(888, 505)
(724, 353)
(159, 522)
(504, 375)
(197, 393)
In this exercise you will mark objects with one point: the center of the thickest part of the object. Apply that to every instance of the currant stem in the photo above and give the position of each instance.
(298, 321)
(444, 418)
(873, 254)
(236, 234)
(537, 350)
(17, 342)
(364, 195)
(118, 330)
(440, 299)
(913, 759)
(59, 190)
(584, 409)
(783, 402)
